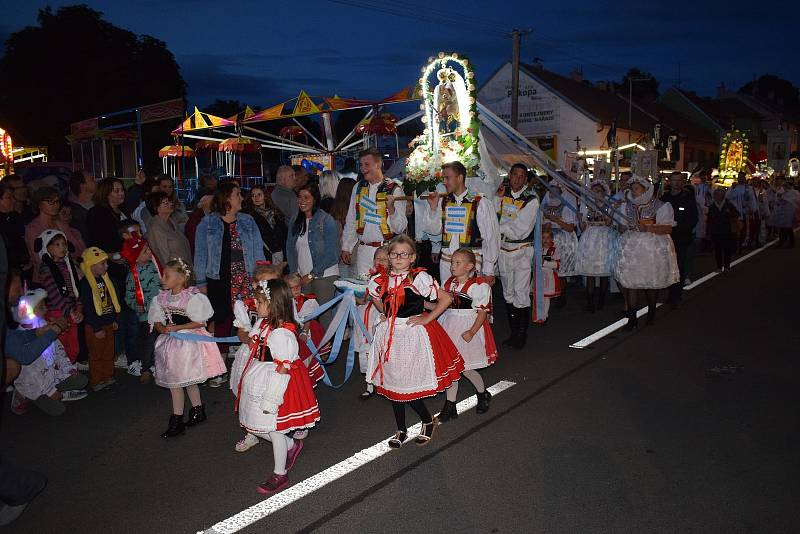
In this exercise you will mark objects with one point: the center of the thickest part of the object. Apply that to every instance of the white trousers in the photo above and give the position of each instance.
(363, 260)
(515, 273)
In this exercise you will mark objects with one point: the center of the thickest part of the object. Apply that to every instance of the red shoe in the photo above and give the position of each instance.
(273, 485)
(294, 452)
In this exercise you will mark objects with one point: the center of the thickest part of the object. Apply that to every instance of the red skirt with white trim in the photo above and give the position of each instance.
(315, 371)
(421, 361)
(481, 351)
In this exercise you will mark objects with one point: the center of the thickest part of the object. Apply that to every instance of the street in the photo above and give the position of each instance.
(690, 425)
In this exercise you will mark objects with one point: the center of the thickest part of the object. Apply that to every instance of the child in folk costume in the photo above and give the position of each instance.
(551, 282)
(304, 305)
(59, 276)
(274, 395)
(182, 364)
(466, 320)
(411, 357)
(596, 246)
(563, 221)
(370, 315)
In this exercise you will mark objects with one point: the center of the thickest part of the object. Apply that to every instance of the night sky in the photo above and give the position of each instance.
(263, 52)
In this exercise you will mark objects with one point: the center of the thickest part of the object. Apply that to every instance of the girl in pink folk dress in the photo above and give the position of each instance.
(180, 363)
(551, 283)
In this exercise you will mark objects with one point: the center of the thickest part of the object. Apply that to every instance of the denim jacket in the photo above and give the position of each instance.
(323, 240)
(208, 245)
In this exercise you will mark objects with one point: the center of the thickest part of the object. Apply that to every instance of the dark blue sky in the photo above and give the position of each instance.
(262, 52)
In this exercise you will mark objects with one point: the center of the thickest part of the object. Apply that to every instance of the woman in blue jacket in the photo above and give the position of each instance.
(311, 246)
(227, 246)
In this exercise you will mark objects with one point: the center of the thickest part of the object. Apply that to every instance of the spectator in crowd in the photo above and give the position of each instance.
(12, 230)
(283, 195)
(270, 223)
(82, 187)
(684, 207)
(207, 185)
(165, 240)
(136, 192)
(21, 196)
(202, 209)
(722, 226)
(227, 246)
(47, 205)
(349, 170)
(140, 214)
(301, 176)
(104, 217)
(179, 215)
(309, 247)
(341, 204)
(327, 189)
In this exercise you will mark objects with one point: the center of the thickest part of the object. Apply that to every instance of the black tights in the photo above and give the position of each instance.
(631, 296)
(591, 281)
(417, 405)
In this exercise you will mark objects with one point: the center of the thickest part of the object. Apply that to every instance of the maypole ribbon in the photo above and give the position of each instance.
(538, 271)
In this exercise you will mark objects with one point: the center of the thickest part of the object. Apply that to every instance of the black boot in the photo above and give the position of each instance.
(590, 302)
(511, 311)
(632, 321)
(175, 427)
(651, 315)
(523, 317)
(448, 412)
(483, 402)
(196, 415)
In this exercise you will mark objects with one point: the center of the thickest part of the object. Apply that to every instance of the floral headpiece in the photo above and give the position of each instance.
(183, 266)
(264, 288)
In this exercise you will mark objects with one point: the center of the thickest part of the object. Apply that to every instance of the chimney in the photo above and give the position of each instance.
(577, 74)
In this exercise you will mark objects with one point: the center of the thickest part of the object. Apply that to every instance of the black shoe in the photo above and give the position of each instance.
(397, 441)
(448, 412)
(196, 415)
(651, 317)
(601, 300)
(176, 426)
(366, 394)
(483, 402)
(633, 322)
(523, 317)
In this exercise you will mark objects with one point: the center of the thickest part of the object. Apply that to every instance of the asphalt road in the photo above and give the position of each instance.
(633, 434)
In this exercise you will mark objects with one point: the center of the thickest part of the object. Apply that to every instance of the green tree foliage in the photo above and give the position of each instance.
(75, 65)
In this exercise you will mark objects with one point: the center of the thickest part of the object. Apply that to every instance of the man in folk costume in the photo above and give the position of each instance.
(743, 198)
(517, 207)
(374, 217)
(465, 220)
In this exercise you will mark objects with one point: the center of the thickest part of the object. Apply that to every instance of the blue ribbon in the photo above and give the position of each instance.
(537, 266)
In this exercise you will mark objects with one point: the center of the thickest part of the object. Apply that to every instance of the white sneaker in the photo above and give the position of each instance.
(217, 381)
(82, 366)
(135, 368)
(73, 395)
(246, 443)
(121, 362)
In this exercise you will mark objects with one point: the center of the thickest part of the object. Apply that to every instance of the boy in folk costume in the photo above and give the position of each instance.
(142, 284)
(374, 216)
(466, 320)
(59, 276)
(100, 310)
(517, 207)
(551, 283)
(464, 220)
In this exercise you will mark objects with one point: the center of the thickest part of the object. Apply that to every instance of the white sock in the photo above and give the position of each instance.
(370, 387)
(476, 379)
(452, 392)
(281, 444)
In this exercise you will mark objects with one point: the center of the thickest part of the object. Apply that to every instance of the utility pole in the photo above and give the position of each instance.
(630, 99)
(516, 36)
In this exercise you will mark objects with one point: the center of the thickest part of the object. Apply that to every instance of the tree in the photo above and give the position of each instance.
(773, 89)
(645, 85)
(73, 66)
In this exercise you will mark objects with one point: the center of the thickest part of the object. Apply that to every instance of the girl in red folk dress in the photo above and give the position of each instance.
(305, 304)
(551, 283)
(466, 322)
(274, 396)
(411, 356)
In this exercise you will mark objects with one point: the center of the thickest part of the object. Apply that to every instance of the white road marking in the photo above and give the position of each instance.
(301, 489)
(613, 327)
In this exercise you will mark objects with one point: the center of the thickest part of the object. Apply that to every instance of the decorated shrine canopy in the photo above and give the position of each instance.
(303, 104)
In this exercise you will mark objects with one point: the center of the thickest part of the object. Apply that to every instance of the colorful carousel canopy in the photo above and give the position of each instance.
(239, 145)
(292, 131)
(177, 151)
(206, 145)
(383, 124)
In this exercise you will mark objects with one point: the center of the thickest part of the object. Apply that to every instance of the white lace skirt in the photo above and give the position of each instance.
(567, 248)
(646, 261)
(595, 251)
